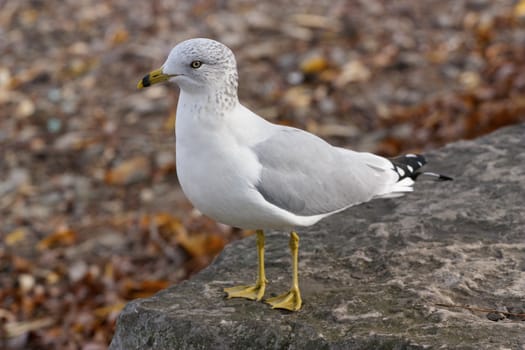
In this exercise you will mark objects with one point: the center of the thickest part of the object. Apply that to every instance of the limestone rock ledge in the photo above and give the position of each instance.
(372, 277)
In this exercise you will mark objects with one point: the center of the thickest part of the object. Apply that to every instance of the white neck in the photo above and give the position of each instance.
(198, 116)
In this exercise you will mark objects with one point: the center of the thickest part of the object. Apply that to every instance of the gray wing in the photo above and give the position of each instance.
(305, 175)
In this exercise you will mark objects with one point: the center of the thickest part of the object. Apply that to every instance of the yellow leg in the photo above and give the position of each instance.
(253, 292)
(292, 299)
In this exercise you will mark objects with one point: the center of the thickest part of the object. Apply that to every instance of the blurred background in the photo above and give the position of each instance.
(91, 215)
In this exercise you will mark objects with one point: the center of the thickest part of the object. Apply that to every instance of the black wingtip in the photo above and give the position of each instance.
(444, 178)
(409, 165)
(438, 177)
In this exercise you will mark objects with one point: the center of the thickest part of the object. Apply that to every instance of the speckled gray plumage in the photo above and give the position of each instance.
(218, 71)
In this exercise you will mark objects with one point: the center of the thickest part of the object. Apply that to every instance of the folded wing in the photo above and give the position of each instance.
(305, 175)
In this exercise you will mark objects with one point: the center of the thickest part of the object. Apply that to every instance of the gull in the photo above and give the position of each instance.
(246, 172)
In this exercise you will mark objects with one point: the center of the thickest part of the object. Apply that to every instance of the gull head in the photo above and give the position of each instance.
(198, 66)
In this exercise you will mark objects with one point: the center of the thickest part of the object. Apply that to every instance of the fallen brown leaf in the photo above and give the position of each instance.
(202, 244)
(15, 236)
(61, 237)
(130, 171)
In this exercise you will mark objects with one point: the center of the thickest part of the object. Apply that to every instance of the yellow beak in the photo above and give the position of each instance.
(153, 77)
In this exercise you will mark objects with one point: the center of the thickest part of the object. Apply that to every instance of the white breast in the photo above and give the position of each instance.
(216, 173)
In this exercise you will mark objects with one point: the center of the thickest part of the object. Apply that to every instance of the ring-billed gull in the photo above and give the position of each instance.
(244, 171)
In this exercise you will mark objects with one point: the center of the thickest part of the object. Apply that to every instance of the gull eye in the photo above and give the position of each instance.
(196, 64)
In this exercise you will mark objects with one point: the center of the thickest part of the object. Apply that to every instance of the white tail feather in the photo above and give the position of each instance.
(397, 189)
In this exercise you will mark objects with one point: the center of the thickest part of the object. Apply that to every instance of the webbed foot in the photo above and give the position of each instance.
(289, 301)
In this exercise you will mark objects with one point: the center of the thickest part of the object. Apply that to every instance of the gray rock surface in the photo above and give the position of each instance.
(372, 277)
